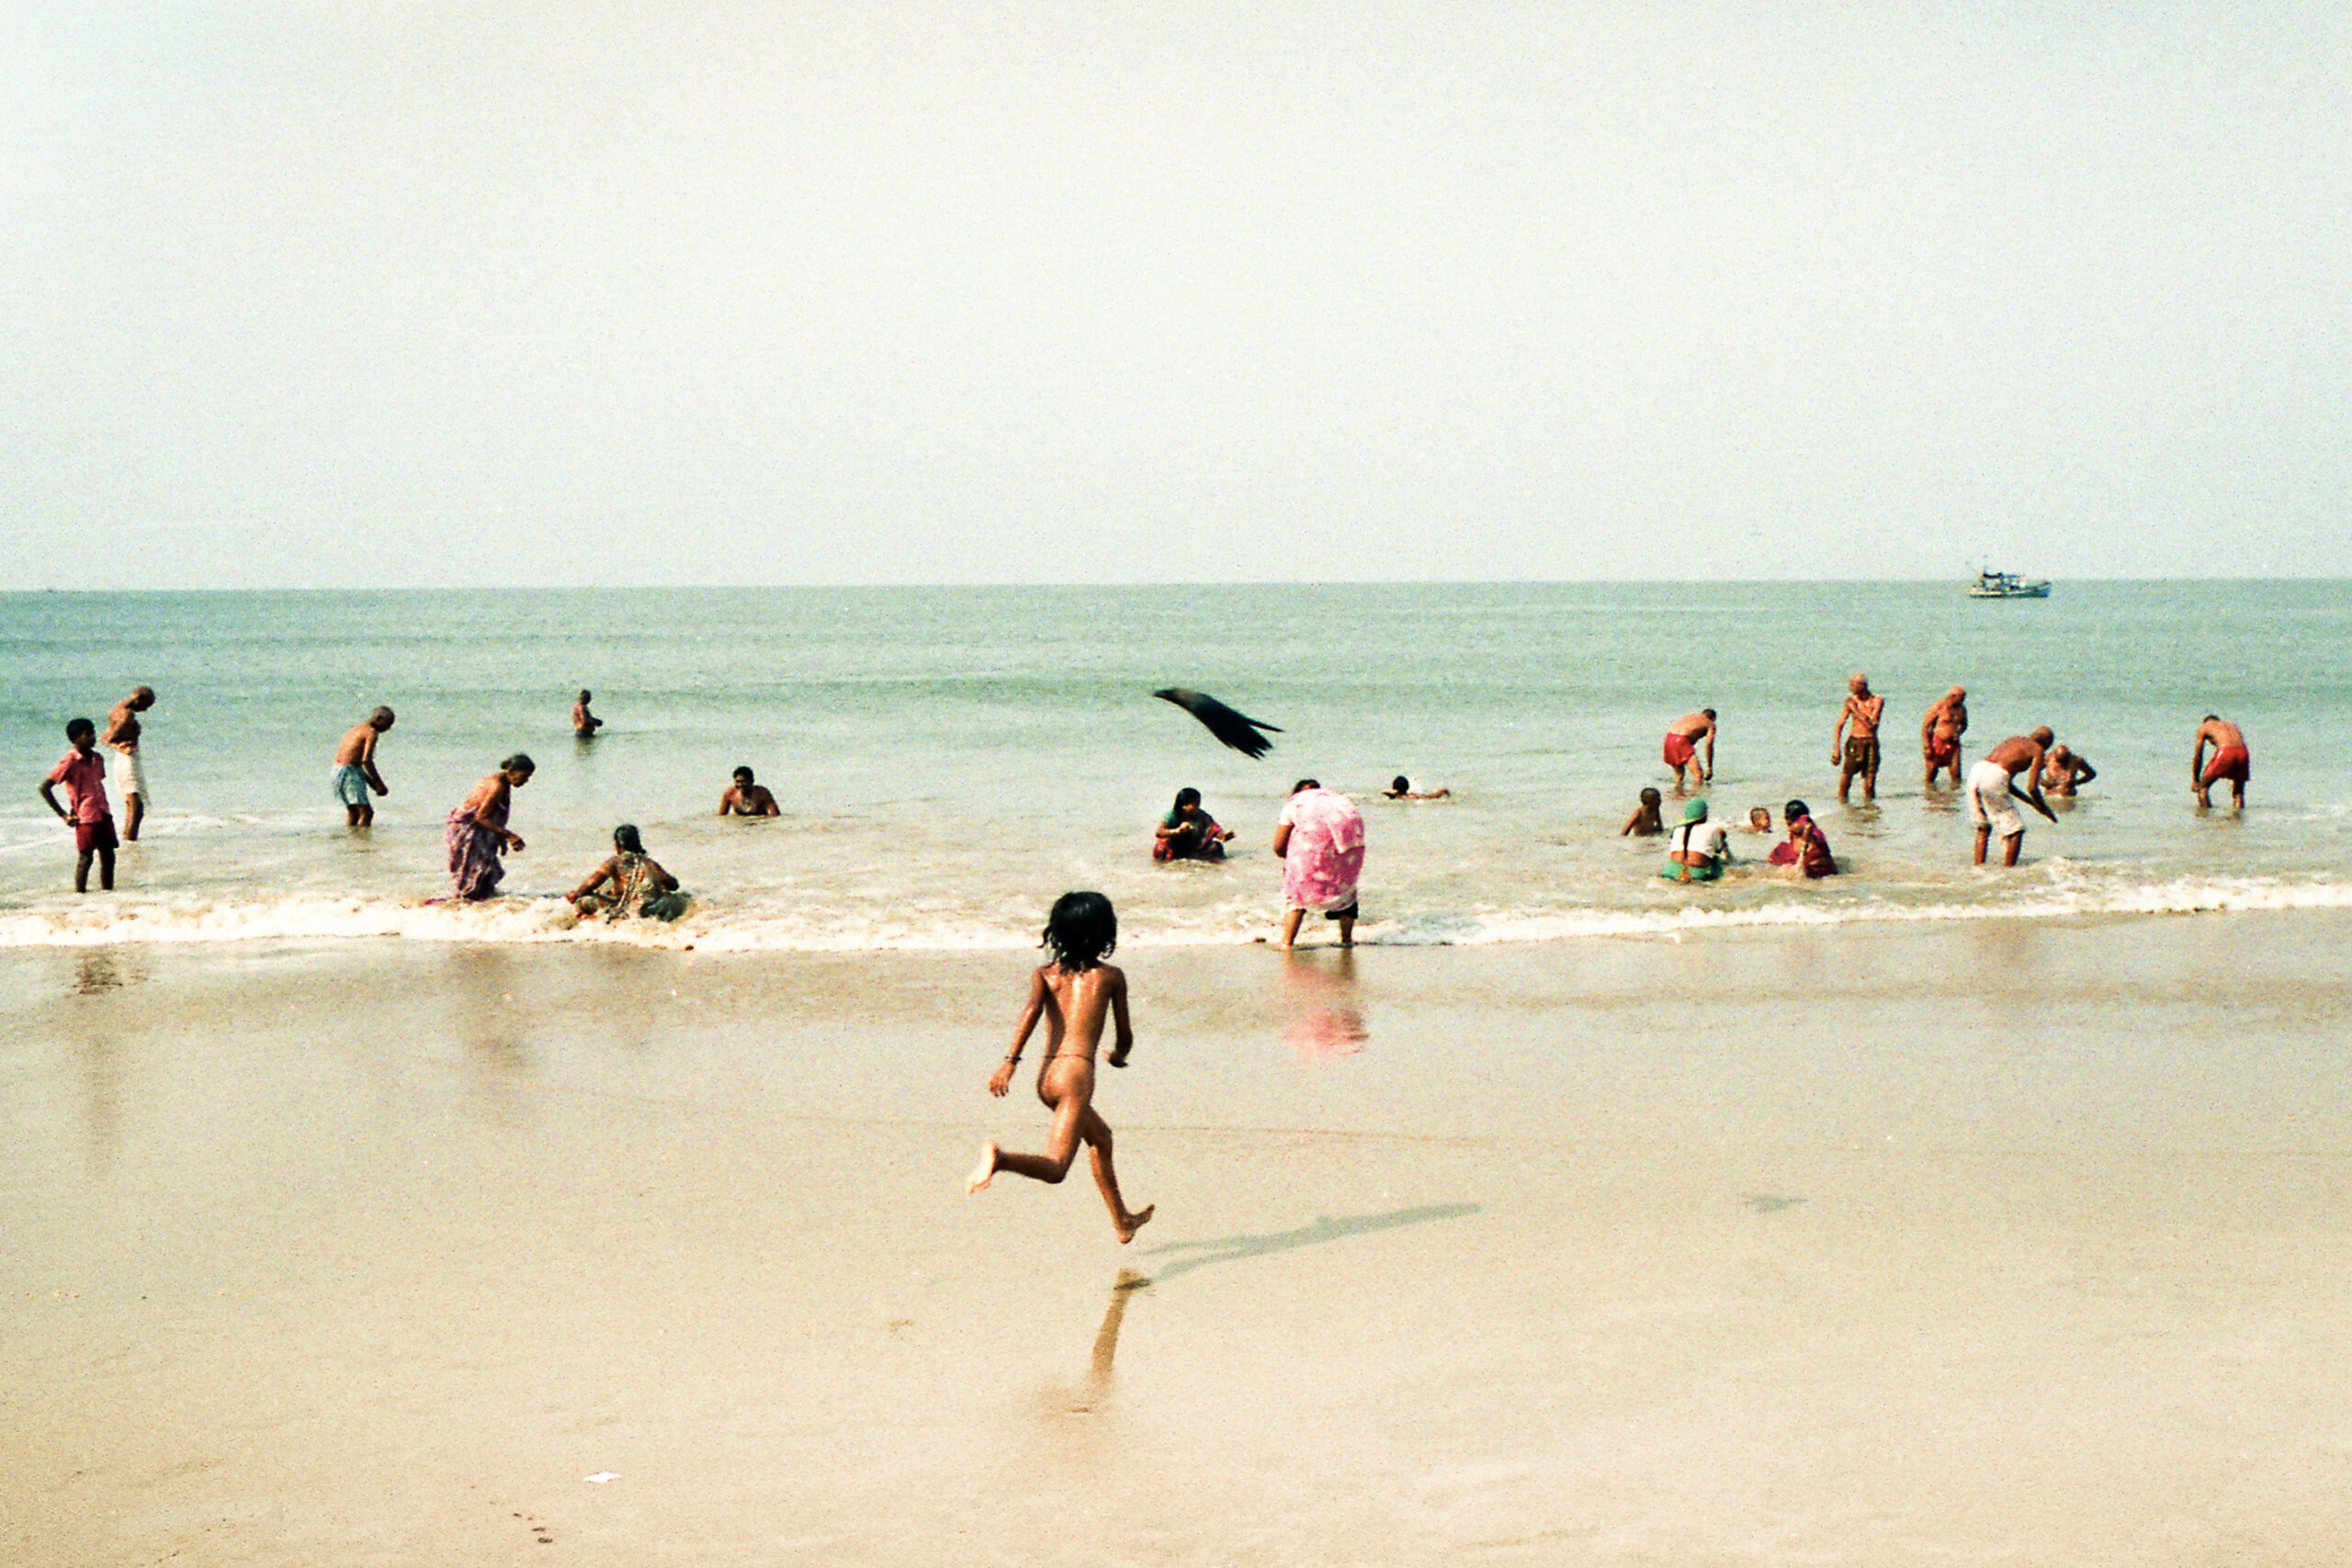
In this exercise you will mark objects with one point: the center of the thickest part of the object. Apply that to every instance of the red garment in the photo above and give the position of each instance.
(1942, 753)
(1679, 749)
(2229, 763)
(84, 775)
(92, 836)
(1812, 851)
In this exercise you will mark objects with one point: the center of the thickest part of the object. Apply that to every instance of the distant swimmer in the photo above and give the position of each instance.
(747, 797)
(1644, 823)
(1072, 993)
(2231, 761)
(1990, 792)
(475, 832)
(629, 882)
(1682, 738)
(83, 773)
(1698, 849)
(1940, 734)
(1187, 831)
(121, 737)
(1858, 753)
(2064, 771)
(1806, 853)
(1401, 788)
(355, 769)
(583, 723)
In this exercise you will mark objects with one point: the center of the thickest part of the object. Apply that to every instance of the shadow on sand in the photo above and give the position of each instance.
(1235, 1248)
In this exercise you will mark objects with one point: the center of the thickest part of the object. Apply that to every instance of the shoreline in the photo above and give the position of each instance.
(1886, 1246)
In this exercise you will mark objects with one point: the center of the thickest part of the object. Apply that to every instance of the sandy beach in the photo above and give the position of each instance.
(2002, 1241)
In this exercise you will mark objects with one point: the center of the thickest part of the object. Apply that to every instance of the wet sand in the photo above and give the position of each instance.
(1995, 1242)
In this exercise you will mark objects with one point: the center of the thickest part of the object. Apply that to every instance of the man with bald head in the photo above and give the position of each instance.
(1990, 792)
(1857, 752)
(1940, 734)
(355, 769)
(121, 737)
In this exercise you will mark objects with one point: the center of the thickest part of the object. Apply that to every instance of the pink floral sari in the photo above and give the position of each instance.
(1326, 854)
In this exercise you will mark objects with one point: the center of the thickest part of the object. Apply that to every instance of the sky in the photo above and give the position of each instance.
(406, 294)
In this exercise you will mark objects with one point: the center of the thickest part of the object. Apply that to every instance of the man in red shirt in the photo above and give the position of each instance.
(83, 773)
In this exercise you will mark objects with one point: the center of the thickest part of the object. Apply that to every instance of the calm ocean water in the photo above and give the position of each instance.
(949, 760)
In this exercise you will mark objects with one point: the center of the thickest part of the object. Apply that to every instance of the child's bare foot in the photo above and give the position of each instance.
(1132, 1222)
(983, 1172)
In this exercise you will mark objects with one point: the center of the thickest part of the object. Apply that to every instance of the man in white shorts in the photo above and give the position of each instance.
(122, 738)
(1990, 791)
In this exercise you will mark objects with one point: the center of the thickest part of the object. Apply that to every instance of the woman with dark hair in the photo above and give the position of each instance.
(1807, 853)
(629, 883)
(475, 832)
(1073, 993)
(1187, 832)
(1320, 837)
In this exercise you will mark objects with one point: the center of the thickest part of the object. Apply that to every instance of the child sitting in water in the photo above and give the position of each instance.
(1760, 819)
(1644, 823)
(1072, 993)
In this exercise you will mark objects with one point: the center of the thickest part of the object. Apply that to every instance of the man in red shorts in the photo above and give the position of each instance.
(1682, 738)
(1940, 734)
(2230, 762)
(83, 773)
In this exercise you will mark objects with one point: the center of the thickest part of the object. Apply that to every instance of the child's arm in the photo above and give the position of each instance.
(49, 794)
(1124, 1041)
(1631, 823)
(1000, 1081)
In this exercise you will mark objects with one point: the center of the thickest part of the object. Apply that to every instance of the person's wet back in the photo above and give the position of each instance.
(1699, 851)
(1644, 823)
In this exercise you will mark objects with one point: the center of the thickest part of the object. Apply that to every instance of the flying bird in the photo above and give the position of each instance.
(1235, 729)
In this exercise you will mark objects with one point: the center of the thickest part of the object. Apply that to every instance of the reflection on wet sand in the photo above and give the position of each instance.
(487, 1023)
(1323, 1228)
(1324, 1022)
(99, 1055)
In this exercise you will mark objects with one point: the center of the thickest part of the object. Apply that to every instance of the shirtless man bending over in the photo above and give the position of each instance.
(1682, 738)
(121, 737)
(355, 769)
(1990, 792)
(1857, 752)
(1940, 734)
(2064, 771)
(2231, 762)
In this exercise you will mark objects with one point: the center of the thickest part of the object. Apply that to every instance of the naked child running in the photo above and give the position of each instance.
(1073, 994)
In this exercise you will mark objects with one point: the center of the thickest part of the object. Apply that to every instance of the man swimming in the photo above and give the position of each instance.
(1073, 993)
(1990, 792)
(1682, 738)
(1939, 735)
(121, 737)
(583, 723)
(1857, 752)
(2064, 771)
(355, 769)
(2231, 761)
(747, 798)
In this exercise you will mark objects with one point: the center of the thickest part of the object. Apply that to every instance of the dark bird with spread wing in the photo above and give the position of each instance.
(1235, 729)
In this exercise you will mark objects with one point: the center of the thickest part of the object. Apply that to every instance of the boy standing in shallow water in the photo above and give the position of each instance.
(83, 773)
(1072, 994)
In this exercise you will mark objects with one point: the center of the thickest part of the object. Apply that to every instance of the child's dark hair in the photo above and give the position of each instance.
(1082, 930)
(1651, 797)
(1400, 784)
(74, 727)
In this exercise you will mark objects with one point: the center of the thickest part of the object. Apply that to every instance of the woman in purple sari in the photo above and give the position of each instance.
(476, 831)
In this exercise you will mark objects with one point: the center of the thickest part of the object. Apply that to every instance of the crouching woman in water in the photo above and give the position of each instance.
(475, 834)
(1073, 994)
(630, 883)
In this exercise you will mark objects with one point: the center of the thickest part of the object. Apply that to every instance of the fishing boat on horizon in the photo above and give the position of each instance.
(1991, 584)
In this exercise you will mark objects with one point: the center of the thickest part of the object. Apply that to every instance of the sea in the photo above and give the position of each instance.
(949, 760)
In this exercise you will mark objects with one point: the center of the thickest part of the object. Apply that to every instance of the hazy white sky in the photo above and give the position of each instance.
(323, 294)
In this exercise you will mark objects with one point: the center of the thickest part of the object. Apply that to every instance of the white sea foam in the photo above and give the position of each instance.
(716, 928)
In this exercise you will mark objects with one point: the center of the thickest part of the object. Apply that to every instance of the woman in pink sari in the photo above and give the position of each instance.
(1320, 839)
(475, 832)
